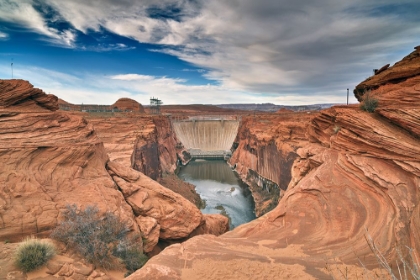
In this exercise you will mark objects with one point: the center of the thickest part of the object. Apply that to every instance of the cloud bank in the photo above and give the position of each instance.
(278, 48)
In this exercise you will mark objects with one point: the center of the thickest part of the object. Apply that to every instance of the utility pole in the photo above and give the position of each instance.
(11, 66)
(347, 96)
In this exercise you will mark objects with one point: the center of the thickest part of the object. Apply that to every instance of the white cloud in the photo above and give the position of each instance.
(23, 13)
(270, 46)
(132, 77)
(94, 89)
(3, 36)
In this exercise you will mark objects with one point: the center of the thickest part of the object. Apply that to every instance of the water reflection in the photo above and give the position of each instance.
(222, 190)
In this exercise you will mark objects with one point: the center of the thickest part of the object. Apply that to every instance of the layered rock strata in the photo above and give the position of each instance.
(49, 159)
(355, 178)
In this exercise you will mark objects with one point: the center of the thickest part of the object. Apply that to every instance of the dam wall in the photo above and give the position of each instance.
(206, 138)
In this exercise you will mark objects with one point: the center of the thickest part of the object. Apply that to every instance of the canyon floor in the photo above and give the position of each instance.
(327, 184)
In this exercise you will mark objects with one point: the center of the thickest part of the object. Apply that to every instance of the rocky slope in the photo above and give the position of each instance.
(49, 159)
(356, 177)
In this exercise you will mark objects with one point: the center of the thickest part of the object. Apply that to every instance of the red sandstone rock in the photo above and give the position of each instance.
(266, 150)
(48, 160)
(155, 151)
(176, 216)
(357, 174)
(119, 135)
(215, 224)
(150, 230)
(401, 71)
(128, 104)
(23, 96)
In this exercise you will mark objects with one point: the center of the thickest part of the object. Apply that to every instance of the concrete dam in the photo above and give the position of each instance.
(207, 138)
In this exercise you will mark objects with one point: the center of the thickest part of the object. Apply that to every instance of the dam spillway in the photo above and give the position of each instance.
(207, 138)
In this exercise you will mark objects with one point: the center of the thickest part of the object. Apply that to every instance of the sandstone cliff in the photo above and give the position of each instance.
(266, 149)
(355, 176)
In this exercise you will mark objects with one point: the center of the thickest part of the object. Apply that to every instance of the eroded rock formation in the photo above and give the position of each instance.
(355, 175)
(49, 159)
(148, 198)
(23, 96)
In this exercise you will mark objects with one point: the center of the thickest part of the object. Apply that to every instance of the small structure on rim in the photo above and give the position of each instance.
(155, 105)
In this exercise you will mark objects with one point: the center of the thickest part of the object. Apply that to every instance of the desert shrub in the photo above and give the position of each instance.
(131, 257)
(96, 237)
(369, 103)
(33, 253)
(408, 266)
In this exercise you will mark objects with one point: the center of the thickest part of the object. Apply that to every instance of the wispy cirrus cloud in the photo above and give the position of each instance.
(24, 14)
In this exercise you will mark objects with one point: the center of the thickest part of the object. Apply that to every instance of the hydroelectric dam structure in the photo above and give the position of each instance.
(207, 137)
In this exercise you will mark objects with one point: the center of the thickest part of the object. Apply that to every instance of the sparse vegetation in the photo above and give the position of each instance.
(408, 267)
(131, 257)
(99, 237)
(369, 103)
(336, 129)
(33, 253)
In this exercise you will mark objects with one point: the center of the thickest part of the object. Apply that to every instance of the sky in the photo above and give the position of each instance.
(203, 51)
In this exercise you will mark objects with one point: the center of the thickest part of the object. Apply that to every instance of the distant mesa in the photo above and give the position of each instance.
(121, 105)
(21, 95)
(128, 104)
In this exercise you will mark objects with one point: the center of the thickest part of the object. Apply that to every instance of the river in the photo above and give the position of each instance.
(222, 190)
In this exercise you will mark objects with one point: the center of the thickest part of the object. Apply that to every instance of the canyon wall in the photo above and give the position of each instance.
(355, 177)
(145, 143)
(206, 135)
(265, 151)
(155, 149)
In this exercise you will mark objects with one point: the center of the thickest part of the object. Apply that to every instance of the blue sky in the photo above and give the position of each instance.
(197, 51)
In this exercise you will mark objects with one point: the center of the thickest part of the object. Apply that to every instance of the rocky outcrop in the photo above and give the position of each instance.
(355, 177)
(128, 104)
(47, 161)
(23, 96)
(215, 224)
(398, 92)
(400, 72)
(176, 216)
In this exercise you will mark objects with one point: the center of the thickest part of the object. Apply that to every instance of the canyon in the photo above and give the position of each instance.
(324, 182)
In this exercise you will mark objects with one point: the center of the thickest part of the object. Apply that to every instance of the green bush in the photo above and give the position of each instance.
(96, 237)
(369, 103)
(33, 253)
